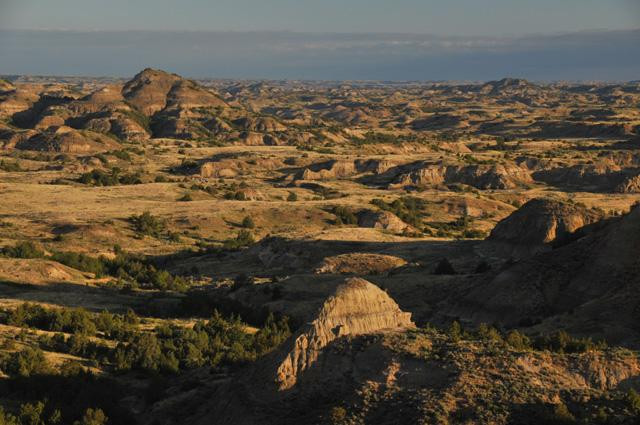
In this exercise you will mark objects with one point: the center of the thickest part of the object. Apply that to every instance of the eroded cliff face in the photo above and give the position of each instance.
(479, 176)
(357, 307)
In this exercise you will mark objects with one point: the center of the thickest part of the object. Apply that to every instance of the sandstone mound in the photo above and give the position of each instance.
(187, 94)
(251, 138)
(38, 272)
(260, 124)
(360, 264)
(11, 137)
(68, 140)
(540, 222)
(382, 220)
(375, 166)
(148, 90)
(179, 108)
(357, 307)
(6, 87)
(507, 86)
(332, 169)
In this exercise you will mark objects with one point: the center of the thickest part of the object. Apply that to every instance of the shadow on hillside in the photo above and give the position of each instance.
(275, 255)
(88, 297)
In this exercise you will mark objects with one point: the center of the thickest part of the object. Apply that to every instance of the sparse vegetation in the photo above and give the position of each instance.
(444, 267)
(344, 215)
(115, 177)
(248, 223)
(9, 166)
(409, 209)
(148, 224)
(243, 239)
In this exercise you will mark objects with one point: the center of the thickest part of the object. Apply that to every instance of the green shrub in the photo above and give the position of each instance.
(444, 267)
(338, 415)
(114, 178)
(562, 342)
(92, 417)
(633, 400)
(81, 262)
(243, 238)
(344, 215)
(211, 343)
(248, 223)
(455, 331)
(518, 340)
(26, 363)
(483, 267)
(10, 167)
(25, 249)
(148, 224)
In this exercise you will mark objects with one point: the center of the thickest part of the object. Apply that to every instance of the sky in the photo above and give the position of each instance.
(325, 39)
(450, 17)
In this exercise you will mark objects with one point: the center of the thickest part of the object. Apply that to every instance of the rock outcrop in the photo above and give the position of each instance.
(359, 263)
(148, 90)
(382, 220)
(332, 169)
(540, 222)
(480, 176)
(357, 307)
(68, 140)
(631, 184)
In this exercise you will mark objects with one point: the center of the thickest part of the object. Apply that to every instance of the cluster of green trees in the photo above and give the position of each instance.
(558, 342)
(408, 208)
(71, 320)
(235, 196)
(133, 271)
(344, 215)
(148, 224)
(24, 249)
(243, 239)
(39, 414)
(26, 363)
(211, 343)
(168, 348)
(114, 178)
(460, 227)
(78, 397)
(9, 166)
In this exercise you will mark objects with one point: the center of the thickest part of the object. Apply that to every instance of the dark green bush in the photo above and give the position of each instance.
(248, 223)
(25, 249)
(114, 178)
(148, 224)
(444, 267)
(344, 215)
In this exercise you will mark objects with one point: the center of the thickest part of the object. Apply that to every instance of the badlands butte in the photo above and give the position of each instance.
(297, 252)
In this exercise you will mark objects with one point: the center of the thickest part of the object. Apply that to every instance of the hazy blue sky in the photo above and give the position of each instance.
(325, 39)
(442, 17)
